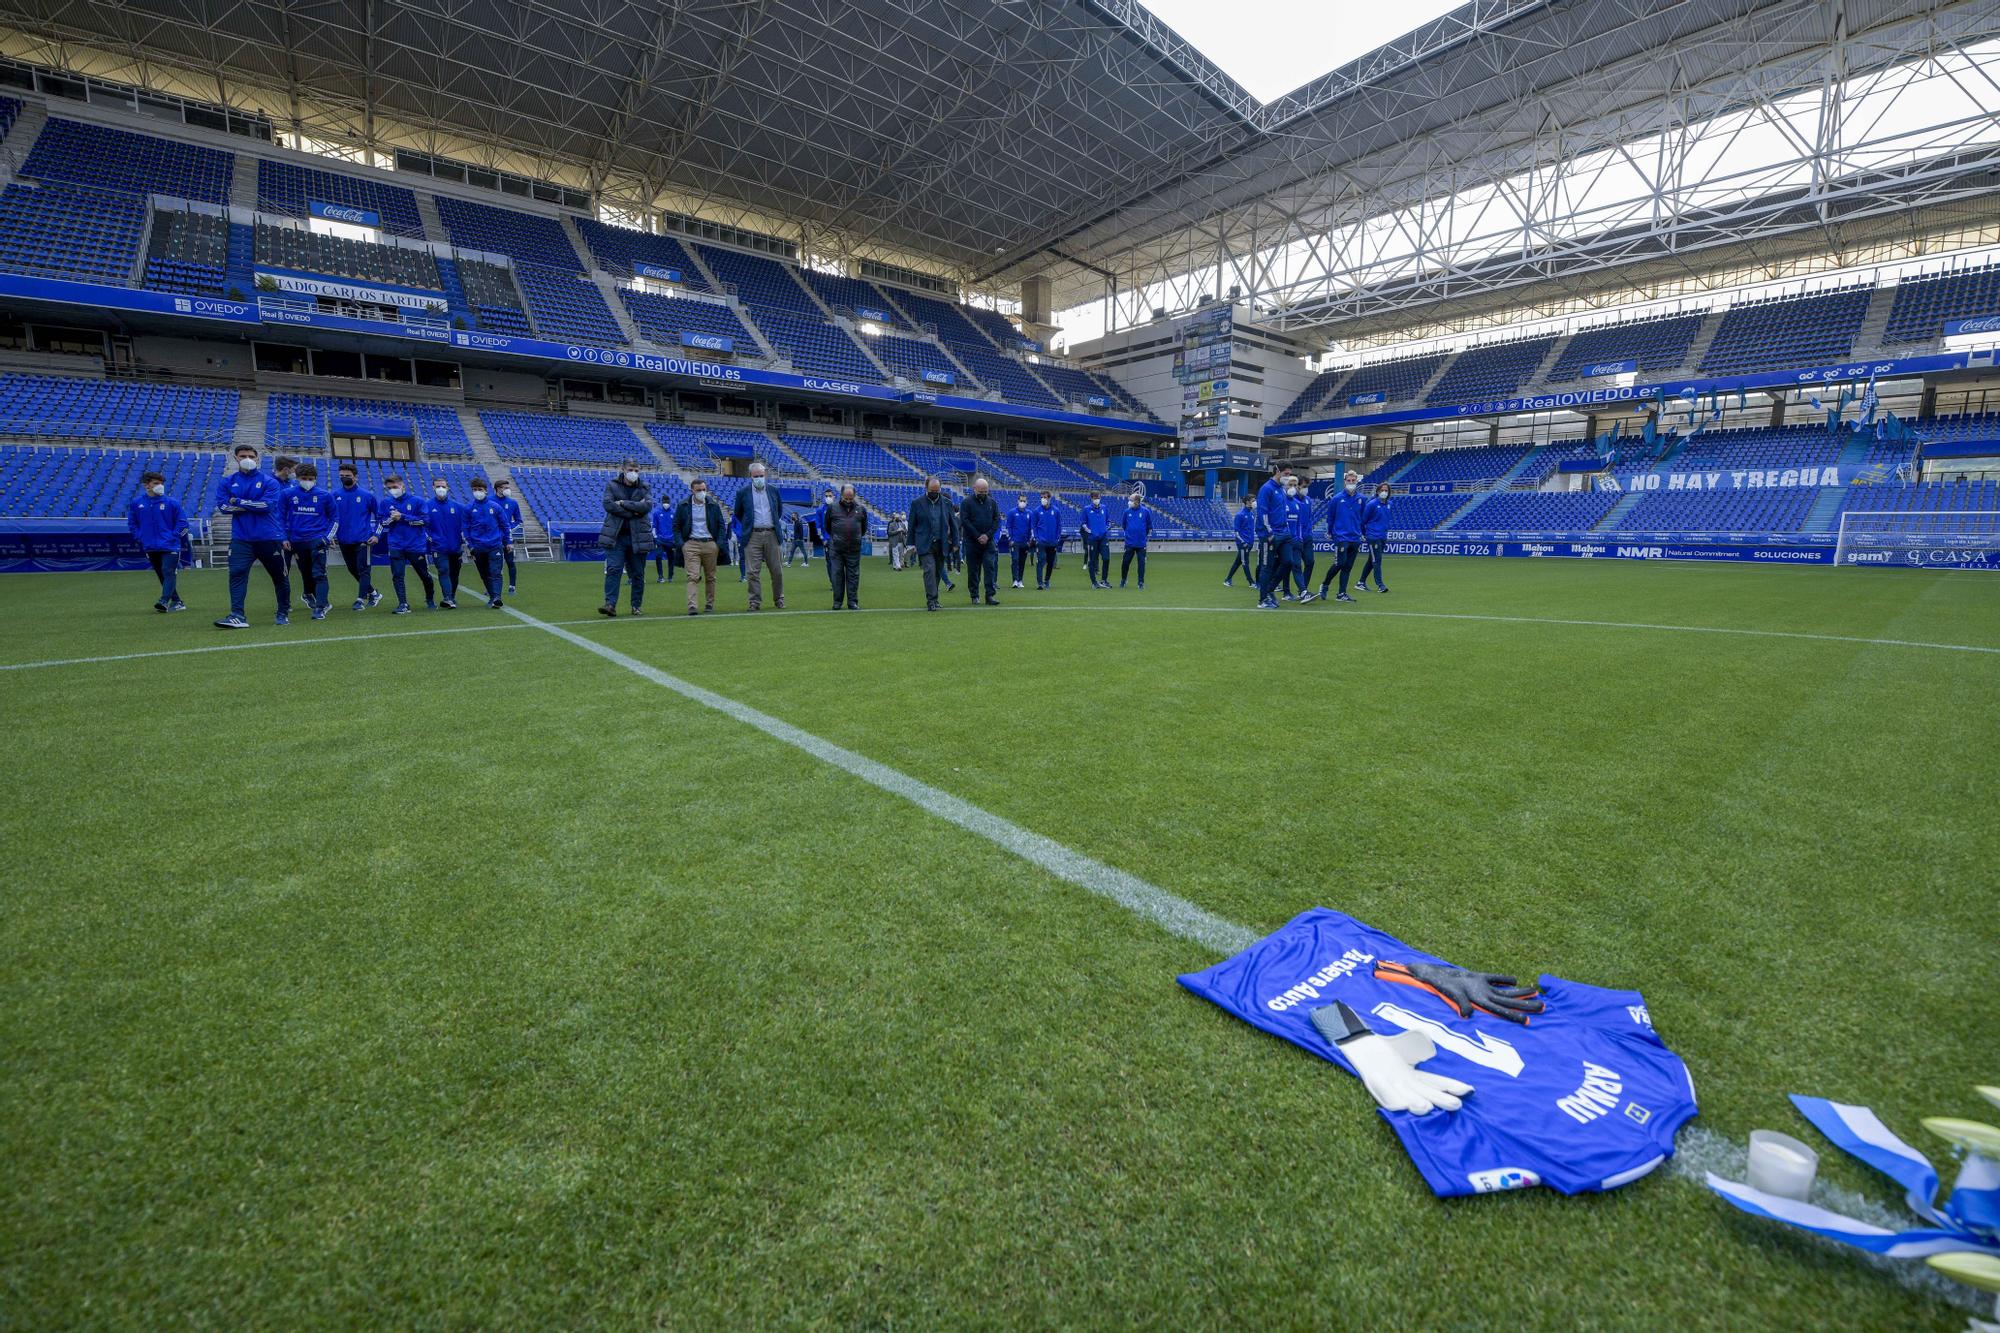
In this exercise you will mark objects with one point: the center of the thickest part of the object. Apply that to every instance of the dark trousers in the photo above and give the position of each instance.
(1125, 565)
(1343, 564)
(665, 560)
(244, 553)
(798, 547)
(507, 553)
(360, 557)
(1244, 561)
(624, 557)
(449, 565)
(1307, 557)
(400, 560)
(1020, 560)
(982, 562)
(166, 564)
(1377, 551)
(1045, 564)
(844, 566)
(489, 565)
(1278, 564)
(932, 560)
(1097, 559)
(311, 558)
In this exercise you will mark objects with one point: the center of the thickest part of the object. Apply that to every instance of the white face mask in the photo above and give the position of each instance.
(758, 482)
(504, 494)
(307, 485)
(829, 499)
(1350, 488)
(1291, 490)
(246, 465)
(395, 492)
(479, 497)
(156, 490)
(631, 479)
(1382, 495)
(1024, 502)
(440, 491)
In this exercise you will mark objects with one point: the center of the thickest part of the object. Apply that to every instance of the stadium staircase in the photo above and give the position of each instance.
(1423, 394)
(1697, 349)
(891, 451)
(240, 267)
(1854, 451)
(1471, 501)
(535, 541)
(715, 284)
(607, 287)
(251, 411)
(964, 370)
(1824, 516)
(1875, 323)
(243, 184)
(21, 139)
(1507, 478)
(1535, 381)
(1616, 514)
(1414, 459)
(427, 211)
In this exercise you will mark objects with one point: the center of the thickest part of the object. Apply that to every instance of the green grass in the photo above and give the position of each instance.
(470, 980)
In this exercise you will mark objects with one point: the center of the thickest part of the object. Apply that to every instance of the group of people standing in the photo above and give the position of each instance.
(1275, 530)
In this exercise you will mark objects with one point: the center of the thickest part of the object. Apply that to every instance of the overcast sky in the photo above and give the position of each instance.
(1273, 46)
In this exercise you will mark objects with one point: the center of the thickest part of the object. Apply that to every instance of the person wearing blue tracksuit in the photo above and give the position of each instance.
(1047, 533)
(1020, 532)
(1302, 533)
(1246, 544)
(156, 522)
(820, 526)
(666, 543)
(355, 513)
(486, 529)
(309, 519)
(256, 536)
(1375, 531)
(503, 495)
(1274, 513)
(1095, 529)
(444, 520)
(1343, 524)
(401, 529)
(1138, 531)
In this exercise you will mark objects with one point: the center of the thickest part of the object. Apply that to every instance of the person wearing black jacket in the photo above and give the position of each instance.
(699, 525)
(930, 537)
(846, 528)
(626, 536)
(979, 529)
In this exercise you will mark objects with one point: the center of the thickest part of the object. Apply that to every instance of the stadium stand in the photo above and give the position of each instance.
(1007, 377)
(948, 463)
(1926, 302)
(1074, 386)
(1968, 426)
(556, 436)
(665, 318)
(617, 249)
(61, 407)
(491, 299)
(1312, 395)
(565, 305)
(301, 423)
(1480, 463)
(45, 481)
(188, 254)
(817, 347)
(1658, 345)
(1397, 381)
(762, 285)
(1552, 456)
(687, 446)
(1492, 371)
(1037, 471)
(65, 231)
(138, 164)
(524, 237)
(1927, 497)
(339, 256)
(1383, 470)
(290, 189)
(847, 460)
(911, 358)
(849, 296)
(572, 499)
(1775, 510)
(1536, 511)
(1422, 513)
(1760, 447)
(995, 326)
(10, 111)
(1787, 330)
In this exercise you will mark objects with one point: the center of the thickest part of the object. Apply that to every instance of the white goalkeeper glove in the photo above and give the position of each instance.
(1388, 1066)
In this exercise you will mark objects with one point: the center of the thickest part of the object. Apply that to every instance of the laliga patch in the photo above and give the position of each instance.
(1503, 1178)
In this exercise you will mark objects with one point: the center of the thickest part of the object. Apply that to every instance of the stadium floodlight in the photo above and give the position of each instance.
(1920, 539)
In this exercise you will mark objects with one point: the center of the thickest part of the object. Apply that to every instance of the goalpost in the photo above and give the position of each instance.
(1920, 539)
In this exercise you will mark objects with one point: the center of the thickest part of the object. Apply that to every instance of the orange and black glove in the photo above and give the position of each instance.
(1466, 991)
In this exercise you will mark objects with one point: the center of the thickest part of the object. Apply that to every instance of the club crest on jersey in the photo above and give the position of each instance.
(1502, 1178)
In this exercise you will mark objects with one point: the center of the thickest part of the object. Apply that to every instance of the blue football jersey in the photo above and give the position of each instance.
(1584, 1097)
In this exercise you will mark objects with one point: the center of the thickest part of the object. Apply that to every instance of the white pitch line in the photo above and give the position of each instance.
(244, 647)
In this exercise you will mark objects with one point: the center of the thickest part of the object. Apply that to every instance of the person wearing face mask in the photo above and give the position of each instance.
(698, 523)
(1020, 534)
(930, 536)
(444, 519)
(666, 546)
(816, 535)
(796, 543)
(1094, 527)
(1302, 539)
(1343, 524)
(846, 529)
(486, 533)
(256, 536)
(503, 495)
(285, 469)
(156, 522)
(1047, 534)
(1274, 526)
(1246, 542)
(626, 536)
(1138, 532)
(402, 531)
(1375, 531)
(899, 544)
(761, 514)
(309, 517)
(979, 529)
(355, 514)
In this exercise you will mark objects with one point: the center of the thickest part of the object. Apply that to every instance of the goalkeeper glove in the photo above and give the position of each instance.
(1385, 1069)
(1466, 991)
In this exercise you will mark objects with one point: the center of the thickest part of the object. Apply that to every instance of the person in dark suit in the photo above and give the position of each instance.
(930, 537)
(979, 530)
(699, 525)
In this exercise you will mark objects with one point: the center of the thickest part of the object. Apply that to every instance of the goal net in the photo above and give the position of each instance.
(1920, 539)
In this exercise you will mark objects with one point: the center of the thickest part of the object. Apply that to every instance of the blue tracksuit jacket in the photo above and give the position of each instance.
(1096, 521)
(1343, 516)
(1273, 513)
(446, 520)
(308, 516)
(258, 493)
(1020, 525)
(406, 535)
(1246, 527)
(1048, 527)
(1138, 527)
(486, 525)
(156, 525)
(1375, 520)
(355, 513)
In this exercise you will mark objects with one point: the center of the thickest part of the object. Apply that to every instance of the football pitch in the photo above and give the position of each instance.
(785, 969)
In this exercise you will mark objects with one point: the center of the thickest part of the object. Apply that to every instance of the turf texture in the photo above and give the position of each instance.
(468, 980)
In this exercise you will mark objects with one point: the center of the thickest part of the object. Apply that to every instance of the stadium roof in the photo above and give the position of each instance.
(1002, 138)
